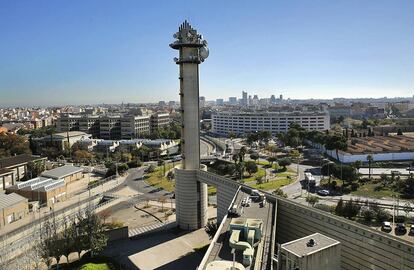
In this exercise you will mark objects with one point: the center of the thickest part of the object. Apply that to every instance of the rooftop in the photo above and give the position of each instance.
(301, 247)
(39, 183)
(249, 216)
(7, 200)
(61, 172)
(18, 160)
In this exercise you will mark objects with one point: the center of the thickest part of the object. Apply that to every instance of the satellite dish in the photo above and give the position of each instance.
(204, 52)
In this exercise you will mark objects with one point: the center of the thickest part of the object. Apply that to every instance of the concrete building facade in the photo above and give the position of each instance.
(240, 123)
(12, 208)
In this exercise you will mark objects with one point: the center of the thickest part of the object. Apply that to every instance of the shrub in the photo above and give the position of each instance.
(354, 186)
(382, 215)
(151, 168)
(351, 209)
(339, 209)
(312, 200)
(368, 215)
(280, 193)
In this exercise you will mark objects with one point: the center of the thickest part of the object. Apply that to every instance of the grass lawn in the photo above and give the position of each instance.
(260, 172)
(95, 266)
(272, 184)
(157, 179)
(375, 190)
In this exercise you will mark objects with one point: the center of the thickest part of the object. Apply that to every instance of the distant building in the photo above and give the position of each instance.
(61, 141)
(161, 103)
(68, 173)
(244, 99)
(44, 190)
(219, 102)
(275, 122)
(12, 208)
(232, 100)
(202, 102)
(17, 165)
(130, 125)
(159, 120)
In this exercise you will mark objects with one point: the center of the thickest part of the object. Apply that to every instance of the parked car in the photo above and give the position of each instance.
(411, 232)
(400, 228)
(323, 192)
(386, 226)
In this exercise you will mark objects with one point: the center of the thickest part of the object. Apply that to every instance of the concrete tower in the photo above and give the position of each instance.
(191, 195)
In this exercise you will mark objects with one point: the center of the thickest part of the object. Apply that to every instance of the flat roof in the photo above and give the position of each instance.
(300, 248)
(18, 160)
(221, 250)
(7, 200)
(61, 172)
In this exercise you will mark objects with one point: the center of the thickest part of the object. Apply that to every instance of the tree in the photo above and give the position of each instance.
(242, 152)
(235, 158)
(369, 159)
(34, 169)
(351, 209)
(399, 132)
(368, 215)
(11, 145)
(81, 155)
(230, 168)
(211, 228)
(284, 162)
(251, 167)
(312, 200)
(254, 156)
(384, 179)
(92, 230)
(339, 209)
(271, 160)
(336, 142)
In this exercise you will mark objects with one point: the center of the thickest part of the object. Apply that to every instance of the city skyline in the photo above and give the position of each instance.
(85, 53)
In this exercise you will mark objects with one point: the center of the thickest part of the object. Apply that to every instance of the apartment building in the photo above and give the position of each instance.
(113, 127)
(159, 120)
(110, 127)
(134, 126)
(90, 124)
(244, 122)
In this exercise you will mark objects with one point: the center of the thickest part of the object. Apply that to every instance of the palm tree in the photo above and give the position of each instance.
(242, 152)
(370, 159)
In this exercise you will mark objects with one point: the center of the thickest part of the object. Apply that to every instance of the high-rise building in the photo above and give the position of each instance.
(232, 100)
(219, 102)
(244, 99)
(272, 99)
(202, 102)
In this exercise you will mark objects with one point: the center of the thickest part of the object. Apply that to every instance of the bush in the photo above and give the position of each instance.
(134, 163)
(151, 168)
(354, 186)
(280, 193)
(351, 209)
(382, 215)
(339, 209)
(368, 215)
(312, 200)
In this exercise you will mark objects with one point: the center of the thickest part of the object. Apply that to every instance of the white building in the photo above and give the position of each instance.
(275, 122)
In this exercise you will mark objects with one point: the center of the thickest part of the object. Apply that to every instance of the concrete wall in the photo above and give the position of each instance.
(348, 158)
(73, 177)
(187, 200)
(18, 211)
(362, 247)
(225, 191)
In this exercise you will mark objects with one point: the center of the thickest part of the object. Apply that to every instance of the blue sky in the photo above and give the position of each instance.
(94, 51)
